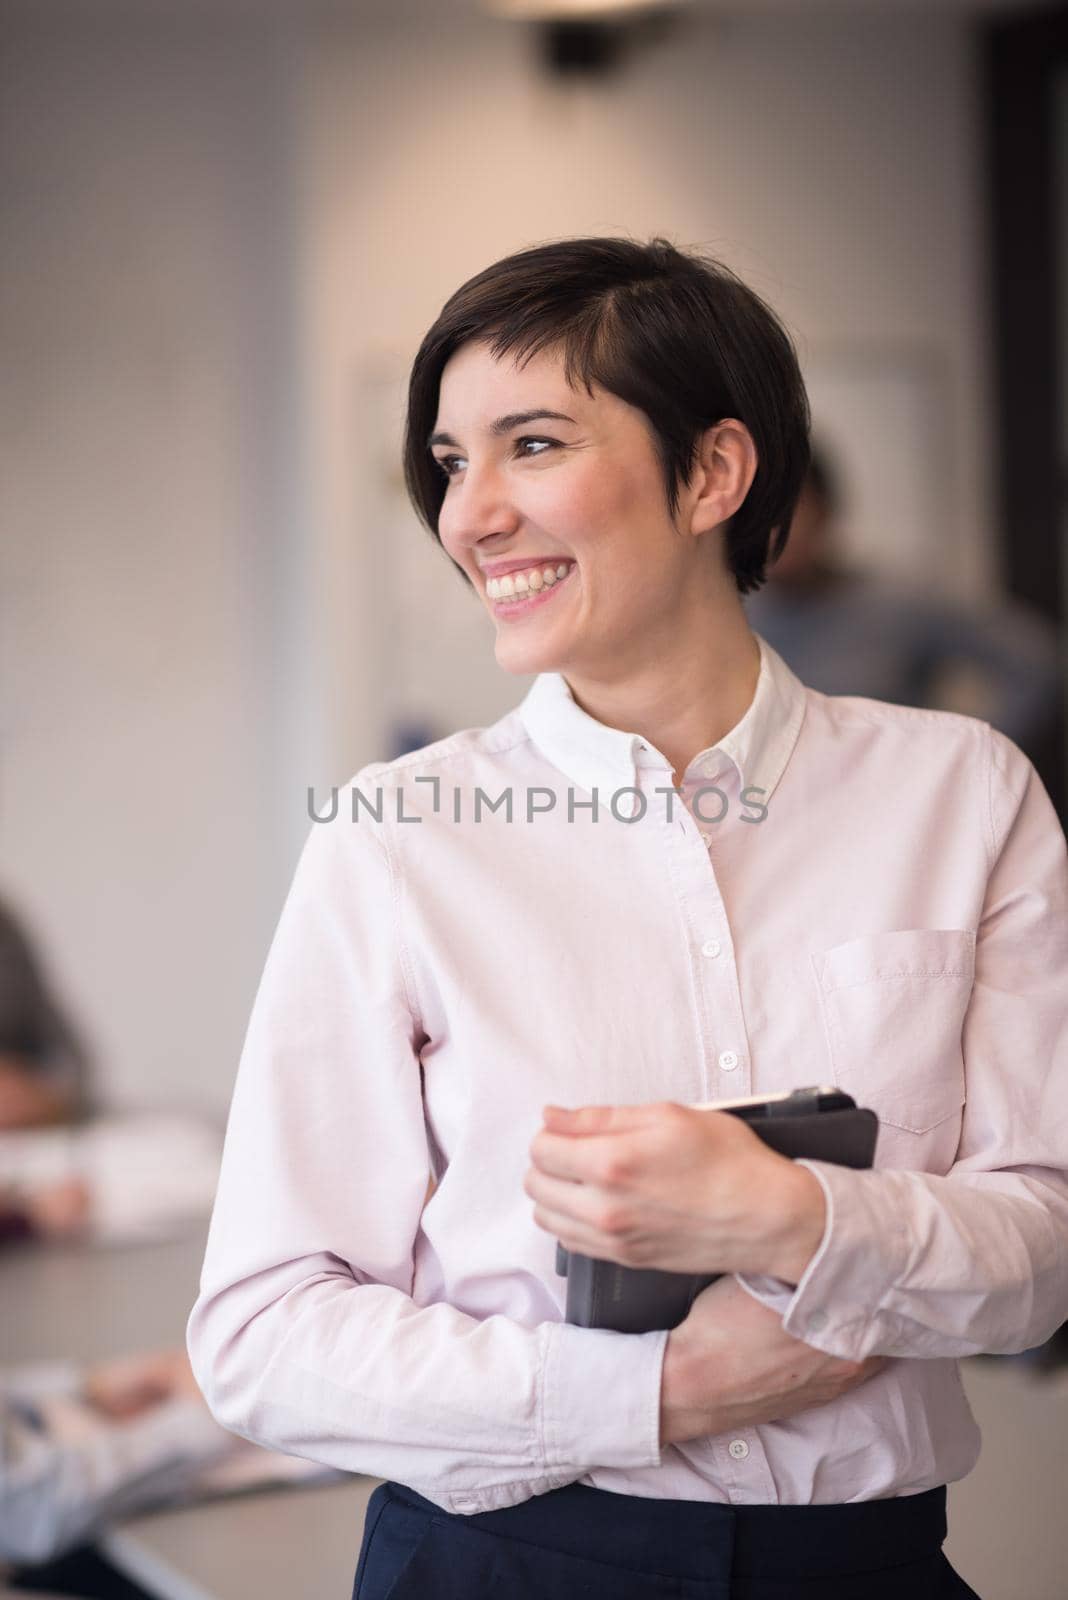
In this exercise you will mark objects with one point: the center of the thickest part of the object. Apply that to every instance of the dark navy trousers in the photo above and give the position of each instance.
(581, 1542)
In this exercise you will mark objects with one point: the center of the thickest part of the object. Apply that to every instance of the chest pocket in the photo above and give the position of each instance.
(893, 1009)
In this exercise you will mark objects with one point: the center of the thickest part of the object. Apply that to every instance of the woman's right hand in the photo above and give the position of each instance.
(731, 1364)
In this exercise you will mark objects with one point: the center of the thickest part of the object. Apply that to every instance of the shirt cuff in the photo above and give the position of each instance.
(863, 1249)
(600, 1402)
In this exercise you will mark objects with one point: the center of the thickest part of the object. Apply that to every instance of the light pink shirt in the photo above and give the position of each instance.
(896, 923)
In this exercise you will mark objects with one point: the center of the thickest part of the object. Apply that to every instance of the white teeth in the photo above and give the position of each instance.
(523, 583)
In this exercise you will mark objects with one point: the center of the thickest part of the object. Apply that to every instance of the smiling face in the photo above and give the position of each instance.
(582, 491)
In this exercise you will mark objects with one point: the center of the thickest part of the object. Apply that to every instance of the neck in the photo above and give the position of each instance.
(687, 699)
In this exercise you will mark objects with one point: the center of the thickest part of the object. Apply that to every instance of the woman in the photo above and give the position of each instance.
(606, 438)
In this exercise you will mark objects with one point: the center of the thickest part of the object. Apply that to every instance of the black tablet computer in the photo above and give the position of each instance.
(824, 1124)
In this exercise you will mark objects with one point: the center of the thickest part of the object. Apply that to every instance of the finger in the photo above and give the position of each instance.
(571, 1234)
(572, 1203)
(581, 1120)
(598, 1159)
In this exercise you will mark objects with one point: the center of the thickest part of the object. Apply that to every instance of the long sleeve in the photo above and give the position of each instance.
(54, 1492)
(306, 1335)
(976, 1259)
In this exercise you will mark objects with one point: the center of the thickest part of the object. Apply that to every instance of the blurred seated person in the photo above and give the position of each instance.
(847, 631)
(79, 1449)
(54, 1210)
(68, 1168)
(44, 1078)
(44, 1069)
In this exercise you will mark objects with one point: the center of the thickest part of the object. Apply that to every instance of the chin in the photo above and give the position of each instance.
(522, 656)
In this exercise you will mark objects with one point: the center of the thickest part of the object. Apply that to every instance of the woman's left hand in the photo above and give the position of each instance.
(673, 1187)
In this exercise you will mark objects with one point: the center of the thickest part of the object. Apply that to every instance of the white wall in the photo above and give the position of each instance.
(145, 330)
(208, 288)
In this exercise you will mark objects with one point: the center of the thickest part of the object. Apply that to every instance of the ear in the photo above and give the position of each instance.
(723, 474)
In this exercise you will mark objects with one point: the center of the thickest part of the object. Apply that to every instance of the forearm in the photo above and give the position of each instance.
(476, 1414)
(732, 1365)
(919, 1265)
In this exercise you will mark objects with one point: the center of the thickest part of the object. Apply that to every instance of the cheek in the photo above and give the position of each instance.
(605, 511)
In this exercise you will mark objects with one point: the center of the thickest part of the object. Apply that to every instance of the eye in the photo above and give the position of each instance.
(448, 467)
(551, 443)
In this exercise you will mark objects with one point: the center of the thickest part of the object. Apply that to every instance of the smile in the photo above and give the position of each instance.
(519, 592)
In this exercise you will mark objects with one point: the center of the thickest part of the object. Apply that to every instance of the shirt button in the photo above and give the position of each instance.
(711, 947)
(728, 1060)
(817, 1321)
(738, 1449)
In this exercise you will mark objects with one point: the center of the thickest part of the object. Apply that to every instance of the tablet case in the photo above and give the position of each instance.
(603, 1294)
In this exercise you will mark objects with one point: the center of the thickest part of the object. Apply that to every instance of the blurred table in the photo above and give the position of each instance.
(277, 1545)
(94, 1302)
(88, 1304)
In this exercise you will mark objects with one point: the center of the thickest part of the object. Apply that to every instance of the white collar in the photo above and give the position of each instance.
(595, 756)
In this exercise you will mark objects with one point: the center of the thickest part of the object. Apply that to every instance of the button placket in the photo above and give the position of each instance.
(703, 828)
(743, 1465)
(711, 954)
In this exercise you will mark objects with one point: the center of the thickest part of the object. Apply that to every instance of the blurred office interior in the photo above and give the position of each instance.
(227, 224)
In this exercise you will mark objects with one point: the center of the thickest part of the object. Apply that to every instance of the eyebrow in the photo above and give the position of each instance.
(514, 419)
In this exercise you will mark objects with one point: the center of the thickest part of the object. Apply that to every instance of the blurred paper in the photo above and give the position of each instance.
(253, 1467)
(150, 1175)
(246, 1467)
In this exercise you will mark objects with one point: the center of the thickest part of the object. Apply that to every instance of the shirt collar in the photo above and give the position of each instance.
(595, 756)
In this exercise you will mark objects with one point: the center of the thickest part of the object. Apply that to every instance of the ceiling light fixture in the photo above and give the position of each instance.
(590, 38)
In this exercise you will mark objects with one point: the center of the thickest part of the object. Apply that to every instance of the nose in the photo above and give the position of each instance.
(478, 509)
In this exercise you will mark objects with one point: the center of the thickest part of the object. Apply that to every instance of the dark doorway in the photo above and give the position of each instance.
(1026, 98)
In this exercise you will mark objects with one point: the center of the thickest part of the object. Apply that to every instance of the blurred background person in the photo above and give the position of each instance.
(71, 1168)
(44, 1081)
(848, 631)
(44, 1066)
(81, 1448)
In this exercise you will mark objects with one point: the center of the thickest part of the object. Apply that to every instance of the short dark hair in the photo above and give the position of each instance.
(672, 332)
